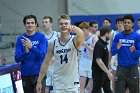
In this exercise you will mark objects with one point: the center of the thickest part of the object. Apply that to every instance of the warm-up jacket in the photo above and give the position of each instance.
(126, 58)
(31, 62)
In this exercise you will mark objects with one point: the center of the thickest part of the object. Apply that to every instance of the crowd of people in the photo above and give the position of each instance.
(79, 58)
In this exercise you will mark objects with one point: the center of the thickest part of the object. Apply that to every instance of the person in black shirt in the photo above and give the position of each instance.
(100, 72)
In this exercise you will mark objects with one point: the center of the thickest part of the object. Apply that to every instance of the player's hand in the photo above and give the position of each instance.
(27, 50)
(119, 45)
(132, 48)
(39, 87)
(71, 28)
(84, 43)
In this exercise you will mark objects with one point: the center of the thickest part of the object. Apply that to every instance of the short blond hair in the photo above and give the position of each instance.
(64, 16)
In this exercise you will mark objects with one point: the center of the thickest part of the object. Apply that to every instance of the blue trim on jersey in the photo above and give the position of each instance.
(51, 35)
(54, 44)
(75, 45)
(57, 34)
(93, 39)
(88, 38)
(66, 42)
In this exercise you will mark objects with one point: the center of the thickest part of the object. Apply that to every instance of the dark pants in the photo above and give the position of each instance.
(29, 84)
(100, 80)
(127, 77)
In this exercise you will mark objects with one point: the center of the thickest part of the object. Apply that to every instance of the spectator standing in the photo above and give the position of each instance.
(126, 45)
(86, 58)
(31, 48)
(101, 73)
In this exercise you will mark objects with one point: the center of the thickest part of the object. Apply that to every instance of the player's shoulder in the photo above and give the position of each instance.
(55, 32)
(21, 36)
(51, 44)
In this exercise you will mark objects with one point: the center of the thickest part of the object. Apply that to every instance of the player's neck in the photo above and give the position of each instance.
(128, 31)
(120, 29)
(94, 32)
(64, 38)
(48, 31)
(87, 35)
(30, 33)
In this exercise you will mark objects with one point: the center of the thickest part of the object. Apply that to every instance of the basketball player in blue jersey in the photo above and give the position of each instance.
(30, 51)
(64, 50)
(86, 58)
(51, 36)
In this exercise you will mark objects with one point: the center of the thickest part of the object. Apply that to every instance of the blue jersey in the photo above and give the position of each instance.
(31, 62)
(126, 58)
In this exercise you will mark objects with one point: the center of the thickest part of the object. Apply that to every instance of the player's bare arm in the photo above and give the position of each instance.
(79, 38)
(44, 66)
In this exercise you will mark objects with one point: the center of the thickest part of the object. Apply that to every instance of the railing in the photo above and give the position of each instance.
(11, 73)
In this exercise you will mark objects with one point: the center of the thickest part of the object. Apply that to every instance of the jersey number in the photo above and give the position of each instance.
(64, 59)
(85, 50)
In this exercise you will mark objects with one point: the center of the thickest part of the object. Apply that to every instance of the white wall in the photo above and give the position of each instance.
(13, 11)
(101, 7)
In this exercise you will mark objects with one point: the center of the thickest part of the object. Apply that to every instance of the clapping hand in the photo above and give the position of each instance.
(119, 45)
(132, 48)
(27, 42)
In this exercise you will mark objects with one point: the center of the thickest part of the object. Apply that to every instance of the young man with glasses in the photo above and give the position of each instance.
(94, 28)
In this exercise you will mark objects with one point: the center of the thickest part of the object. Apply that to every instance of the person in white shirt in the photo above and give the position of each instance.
(138, 22)
(64, 49)
(51, 35)
(86, 58)
(120, 28)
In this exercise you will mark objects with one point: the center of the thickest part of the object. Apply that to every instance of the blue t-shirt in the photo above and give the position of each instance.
(126, 58)
(31, 62)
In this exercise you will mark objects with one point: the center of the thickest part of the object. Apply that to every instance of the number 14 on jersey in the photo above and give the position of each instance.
(64, 58)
